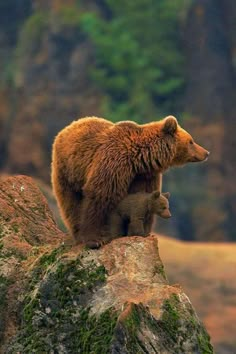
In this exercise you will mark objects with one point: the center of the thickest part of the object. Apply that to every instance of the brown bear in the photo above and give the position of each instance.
(96, 163)
(136, 211)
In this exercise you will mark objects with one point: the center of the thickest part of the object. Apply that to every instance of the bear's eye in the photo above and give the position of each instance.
(191, 142)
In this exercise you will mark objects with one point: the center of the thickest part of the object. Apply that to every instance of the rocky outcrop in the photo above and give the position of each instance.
(59, 298)
(24, 215)
(27, 229)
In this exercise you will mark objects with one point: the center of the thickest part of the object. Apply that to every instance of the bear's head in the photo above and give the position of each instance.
(186, 150)
(160, 204)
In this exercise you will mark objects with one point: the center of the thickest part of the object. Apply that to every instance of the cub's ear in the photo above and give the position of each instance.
(156, 194)
(170, 125)
(167, 195)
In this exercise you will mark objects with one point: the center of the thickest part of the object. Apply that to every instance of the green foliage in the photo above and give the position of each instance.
(69, 16)
(29, 40)
(139, 61)
(32, 32)
(35, 28)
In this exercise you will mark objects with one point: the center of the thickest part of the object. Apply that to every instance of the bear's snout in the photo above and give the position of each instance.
(207, 154)
(166, 214)
(203, 155)
(199, 154)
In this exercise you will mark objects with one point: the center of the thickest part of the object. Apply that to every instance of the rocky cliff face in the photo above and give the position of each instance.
(62, 299)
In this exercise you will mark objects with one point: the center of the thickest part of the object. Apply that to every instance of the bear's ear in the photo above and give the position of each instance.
(156, 194)
(170, 125)
(167, 195)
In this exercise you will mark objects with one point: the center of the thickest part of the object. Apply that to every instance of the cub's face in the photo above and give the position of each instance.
(161, 204)
(187, 150)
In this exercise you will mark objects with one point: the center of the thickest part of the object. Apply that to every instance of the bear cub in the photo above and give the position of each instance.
(136, 211)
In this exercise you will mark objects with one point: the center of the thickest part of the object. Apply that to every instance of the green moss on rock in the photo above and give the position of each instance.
(4, 284)
(160, 270)
(204, 343)
(1, 229)
(178, 330)
(131, 324)
(171, 317)
(56, 312)
(183, 327)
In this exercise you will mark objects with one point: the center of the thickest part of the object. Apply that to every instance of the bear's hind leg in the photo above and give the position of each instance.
(70, 202)
(92, 232)
(115, 226)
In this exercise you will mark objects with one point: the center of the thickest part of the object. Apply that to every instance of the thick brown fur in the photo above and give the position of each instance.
(136, 210)
(96, 163)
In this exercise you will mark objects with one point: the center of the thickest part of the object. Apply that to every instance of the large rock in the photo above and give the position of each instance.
(27, 229)
(72, 300)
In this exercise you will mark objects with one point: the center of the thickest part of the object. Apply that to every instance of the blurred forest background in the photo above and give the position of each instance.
(139, 60)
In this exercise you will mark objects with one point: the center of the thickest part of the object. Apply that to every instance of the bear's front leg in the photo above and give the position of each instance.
(105, 187)
(136, 227)
(92, 239)
(148, 223)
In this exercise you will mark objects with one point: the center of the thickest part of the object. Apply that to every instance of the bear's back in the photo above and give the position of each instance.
(85, 128)
(127, 126)
(83, 134)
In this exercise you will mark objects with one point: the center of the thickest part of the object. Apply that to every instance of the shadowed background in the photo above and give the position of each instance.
(138, 60)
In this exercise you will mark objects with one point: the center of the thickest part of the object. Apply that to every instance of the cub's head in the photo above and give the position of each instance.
(186, 150)
(160, 204)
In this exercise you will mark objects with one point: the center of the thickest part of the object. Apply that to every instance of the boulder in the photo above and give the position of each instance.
(61, 298)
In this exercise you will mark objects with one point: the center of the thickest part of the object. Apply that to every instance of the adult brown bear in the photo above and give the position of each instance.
(96, 163)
